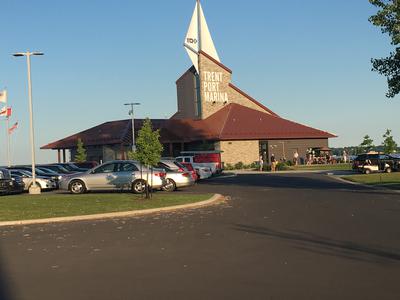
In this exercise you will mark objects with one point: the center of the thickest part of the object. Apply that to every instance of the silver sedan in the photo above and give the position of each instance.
(114, 175)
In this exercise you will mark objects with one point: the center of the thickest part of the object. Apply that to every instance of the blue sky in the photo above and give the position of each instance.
(309, 61)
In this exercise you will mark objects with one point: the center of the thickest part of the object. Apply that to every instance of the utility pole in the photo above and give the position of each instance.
(34, 188)
(131, 104)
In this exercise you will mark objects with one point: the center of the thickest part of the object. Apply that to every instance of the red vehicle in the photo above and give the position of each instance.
(211, 159)
(191, 170)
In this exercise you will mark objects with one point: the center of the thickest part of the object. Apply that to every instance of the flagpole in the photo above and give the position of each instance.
(199, 24)
(8, 141)
(7, 131)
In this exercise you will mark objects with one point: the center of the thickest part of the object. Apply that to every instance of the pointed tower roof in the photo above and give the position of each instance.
(198, 37)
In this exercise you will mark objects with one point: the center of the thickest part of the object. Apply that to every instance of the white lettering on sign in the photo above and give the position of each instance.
(211, 87)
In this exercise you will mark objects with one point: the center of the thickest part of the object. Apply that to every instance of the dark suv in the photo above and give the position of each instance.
(385, 163)
(6, 183)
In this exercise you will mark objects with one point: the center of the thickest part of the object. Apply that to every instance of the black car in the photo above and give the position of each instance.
(18, 185)
(39, 172)
(6, 183)
(385, 162)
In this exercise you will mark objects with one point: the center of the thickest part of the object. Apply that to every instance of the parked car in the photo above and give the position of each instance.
(49, 172)
(114, 175)
(6, 183)
(71, 167)
(177, 175)
(86, 164)
(369, 163)
(18, 185)
(39, 172)
(191, 170)
(55, 168)
(43, 182)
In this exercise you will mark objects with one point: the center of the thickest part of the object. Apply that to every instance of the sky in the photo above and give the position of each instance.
(308, 61)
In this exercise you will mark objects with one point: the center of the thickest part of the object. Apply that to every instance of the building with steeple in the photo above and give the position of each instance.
(213, 114)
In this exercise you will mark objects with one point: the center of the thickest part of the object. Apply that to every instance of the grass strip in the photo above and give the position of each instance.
(391, 180)
(329, 167)
(29, 207)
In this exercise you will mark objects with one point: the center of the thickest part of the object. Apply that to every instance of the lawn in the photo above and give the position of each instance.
(330, 167)
(391, 180)
(28, 207)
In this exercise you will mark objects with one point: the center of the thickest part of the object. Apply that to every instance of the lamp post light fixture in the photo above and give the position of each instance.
(34, 188)
(133, 123)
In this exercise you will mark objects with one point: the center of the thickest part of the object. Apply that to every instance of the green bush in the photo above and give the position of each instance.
(282, 166)
(228, 167)
(239, 165)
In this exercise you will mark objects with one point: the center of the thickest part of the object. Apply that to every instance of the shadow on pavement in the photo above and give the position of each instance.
(291, 181)
(327, 246)
(5, 293)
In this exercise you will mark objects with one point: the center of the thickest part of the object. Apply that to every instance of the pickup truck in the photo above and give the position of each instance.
(204, 160)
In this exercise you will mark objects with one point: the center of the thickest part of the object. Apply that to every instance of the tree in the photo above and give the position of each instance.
(367, 144)
(80, 152)
(148, 148)
(388, 18)
(389, 145)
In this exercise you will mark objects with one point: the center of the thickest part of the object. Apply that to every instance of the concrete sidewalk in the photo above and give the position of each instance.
(124, 214)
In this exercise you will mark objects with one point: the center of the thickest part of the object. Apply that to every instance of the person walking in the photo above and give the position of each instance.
(273, 163)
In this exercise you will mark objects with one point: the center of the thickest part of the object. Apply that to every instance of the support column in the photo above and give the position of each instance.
(58, 155)
(64, 156)
(182, 147)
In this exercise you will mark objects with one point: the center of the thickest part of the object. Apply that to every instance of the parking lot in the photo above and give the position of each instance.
(280, 236)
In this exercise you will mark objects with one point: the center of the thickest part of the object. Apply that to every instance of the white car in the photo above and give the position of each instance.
(203, 172)
(177, 176)
(43, 182)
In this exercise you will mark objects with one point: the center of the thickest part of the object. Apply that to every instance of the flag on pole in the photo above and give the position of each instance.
(6, 111)
(3, 96)
(12, 128)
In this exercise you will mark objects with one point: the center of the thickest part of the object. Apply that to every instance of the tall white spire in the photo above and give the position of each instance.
(198, 37)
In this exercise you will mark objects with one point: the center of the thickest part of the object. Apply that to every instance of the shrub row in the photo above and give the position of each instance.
(281, 166)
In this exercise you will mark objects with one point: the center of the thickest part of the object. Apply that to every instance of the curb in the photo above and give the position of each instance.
(378, 188)
(213, 200)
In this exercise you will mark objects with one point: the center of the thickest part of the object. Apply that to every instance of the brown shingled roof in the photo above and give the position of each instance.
(233, 122)
(109, 133)
(237, 122)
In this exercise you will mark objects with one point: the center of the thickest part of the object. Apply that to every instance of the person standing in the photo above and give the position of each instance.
(273, 163)
(296, 158)
(261, 163)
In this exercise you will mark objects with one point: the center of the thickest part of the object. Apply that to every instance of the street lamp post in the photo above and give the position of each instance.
(133, 123)
(34, 188)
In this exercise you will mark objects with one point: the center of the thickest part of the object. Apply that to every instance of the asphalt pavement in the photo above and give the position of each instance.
(279, 236)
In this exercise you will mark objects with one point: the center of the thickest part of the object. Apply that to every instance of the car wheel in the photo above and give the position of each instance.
(77, 187)
(388, 170)
(367, 171)
(139, 187)
(170, 186)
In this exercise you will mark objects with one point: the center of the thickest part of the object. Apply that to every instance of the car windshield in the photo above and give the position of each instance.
(4, 174)
(47, 171)
(179, 165)
(58, 169)
(70, 167)
(25, 172)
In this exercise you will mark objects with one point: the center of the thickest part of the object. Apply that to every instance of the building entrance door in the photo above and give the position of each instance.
(264, 151)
